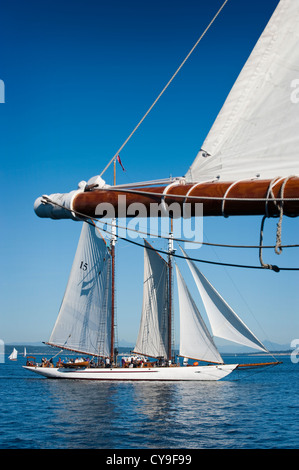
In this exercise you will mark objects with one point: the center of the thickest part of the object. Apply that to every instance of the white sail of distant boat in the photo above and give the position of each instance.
(14, 355)
(25, 352)
(84, 320)
(225, 323)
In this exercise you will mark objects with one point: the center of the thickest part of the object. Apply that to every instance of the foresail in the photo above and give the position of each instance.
(256, 132)
(224, 322)
(152, 339)
(195, 339)
(84, 320)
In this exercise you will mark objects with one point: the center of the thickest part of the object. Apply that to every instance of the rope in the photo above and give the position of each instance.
(166, 237)
(225, 198)
(165, 88)
(90, 221)
(278, 248)
(264, 265)
(279, 206)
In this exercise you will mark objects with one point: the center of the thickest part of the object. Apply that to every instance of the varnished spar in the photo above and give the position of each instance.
(219, 198)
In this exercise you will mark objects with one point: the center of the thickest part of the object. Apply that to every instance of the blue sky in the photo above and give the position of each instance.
(78, 77)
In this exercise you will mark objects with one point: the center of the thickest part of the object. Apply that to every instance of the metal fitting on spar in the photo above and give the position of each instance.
(60, 205)
(45, 206)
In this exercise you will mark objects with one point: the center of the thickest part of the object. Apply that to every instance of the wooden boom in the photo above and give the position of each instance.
(252, 197)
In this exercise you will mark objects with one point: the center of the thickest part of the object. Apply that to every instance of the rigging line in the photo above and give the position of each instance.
(164, 89)
(216, 198)
(193, 259)
(244, 300)
(166, 237)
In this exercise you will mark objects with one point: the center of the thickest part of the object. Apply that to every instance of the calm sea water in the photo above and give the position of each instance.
(249, 410)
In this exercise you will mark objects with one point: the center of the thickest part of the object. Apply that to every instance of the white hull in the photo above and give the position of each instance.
(198, 373)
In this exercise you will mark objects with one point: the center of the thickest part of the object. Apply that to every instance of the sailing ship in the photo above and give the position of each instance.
(14, 355)
(85, 323)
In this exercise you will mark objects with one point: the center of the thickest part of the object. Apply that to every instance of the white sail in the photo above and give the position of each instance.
(225, 323)
(25, 352)
(84, 320)
(256, 131)
(195, 339)
(14, 355)
(152, 339)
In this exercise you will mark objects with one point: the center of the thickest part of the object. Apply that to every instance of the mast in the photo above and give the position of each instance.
(170, 308)
(113, 241)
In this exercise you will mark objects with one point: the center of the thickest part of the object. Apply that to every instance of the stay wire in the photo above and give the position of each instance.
(166, 237)
(165, 88)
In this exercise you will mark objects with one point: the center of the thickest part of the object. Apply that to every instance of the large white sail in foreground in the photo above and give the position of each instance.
(256, 131)
(84, 320)
(195, 339)
(153, 333)
(225, 323)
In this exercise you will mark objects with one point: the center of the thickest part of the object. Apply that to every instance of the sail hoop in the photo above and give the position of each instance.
(167, 188)
(194, 186)
(279, 206)
(278, 202)
(228, 191)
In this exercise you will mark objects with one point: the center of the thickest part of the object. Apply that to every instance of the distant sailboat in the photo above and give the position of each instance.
(84, 323)
(14, 355)
(25, 352)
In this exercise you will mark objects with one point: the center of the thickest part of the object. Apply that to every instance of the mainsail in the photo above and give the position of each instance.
(225, 323)
(195, 339)
(256, 131)
(84, 320)
(153, 332)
